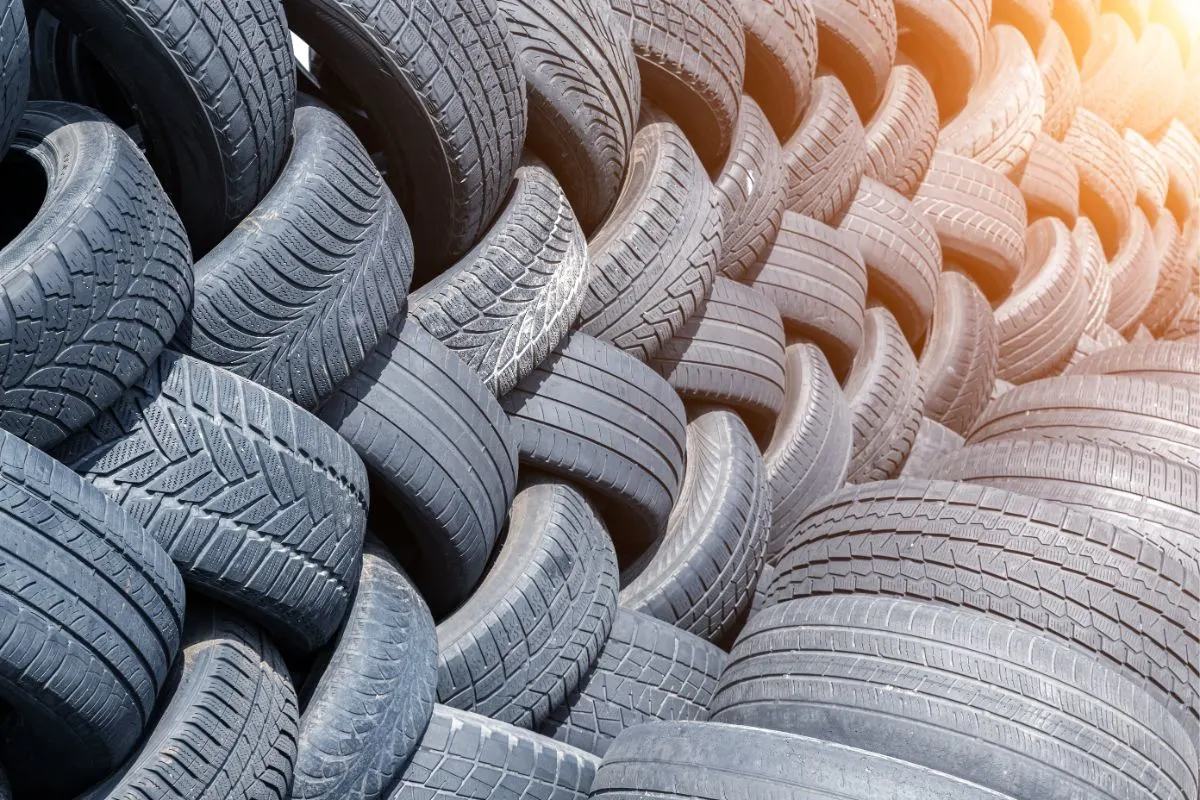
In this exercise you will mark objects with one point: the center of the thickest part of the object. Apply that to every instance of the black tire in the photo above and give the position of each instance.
(979, 216)
(826, 157)
(692, 58)
(648, 671)
(856, 40)
(1149, 174)
(223, 72)
(368, 708)
(533, 628)
(1094, 268)
(1134, 273)
(934, 440)
(451, 118)
(14, 68)
(781, 58)
(1107, 191)
(923, 684)
(1108, 71)
(711, 761)
(961, 354)
(730, 353)
(655, 258)
(97, 273)
(817, 279)
(1180, 152)
(81, 577)
(700, 575)
(1051, 568)
(1049, 182)
(945, 41)
(1060, 79)
(902, 134)
(583, 86)
(513, 297)
(302, 291)
(442, 453)
(902, 253)
(885, 396)
(603, 420)
(226, 724)
(464, 754)
(1004, 113)
(751, 191)
(809, 454)
(1040, 323)
(258, 502)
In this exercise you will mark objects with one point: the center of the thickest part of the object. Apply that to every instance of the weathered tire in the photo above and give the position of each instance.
(367, 710)
(1176, 277)
(902, 134)
(816, 277)
(1030, 17)
(945, 41)
(1134, 272)
(1050, 183)
(902, 253)
(1149, 174)
(513, 297)
(700, 575)
(826, 157)
(856, 40)
(442, 453)
(1107, 72)
(1094, 268)
(305, 287)
(654, 259)
(1078, 20)
(451, 118)
(1159, 85)
(979, 217)
(1107, 191)
(961, 354)
(14, 68)
(1170, 362)
(1060, 80)
(608, 423)
(258, 502)
(885, 396)
(97, 271)
(934, 440)
(1180, 152)
(582, 81)
(781, 58)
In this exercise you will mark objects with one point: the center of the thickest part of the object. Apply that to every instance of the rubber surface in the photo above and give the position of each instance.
(1149, 174)
(856, 40)
(1049, 182)
(1180, 152)
(902, 134)
(945, 41)
(1159, 86)
(14, 68)
(1030, 17)
(1176, 275)
(1134, 273)
(1060, 79)
(826, 157)
(934, 441)
(1107, 190)
(1105, 71)
(781, 58)
(1095, 273)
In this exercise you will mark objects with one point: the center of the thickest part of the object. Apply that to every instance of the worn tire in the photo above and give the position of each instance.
(1149, 174)
(1159, 85)
(1030, 17)
(513, 297)
(1050, 183)
(781, 58)
(1107, 190)
(902, 134)
(1105, 72)
(1176, 277)
(1180, 151)
(1097, 277)
(14, 68)
(826, 157)
(1169, 362)
(934, 440)
(856, 40)
(945, 41)
(1060, 80)
(1134, 272)
(1078, 20)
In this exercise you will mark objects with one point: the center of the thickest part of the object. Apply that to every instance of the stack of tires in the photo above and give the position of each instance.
(617, 399)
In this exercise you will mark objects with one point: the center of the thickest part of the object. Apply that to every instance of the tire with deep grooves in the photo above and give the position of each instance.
(902, 134)
(945, 41)
(781, 58)
(1060, 79)
(1171, 362)
(934, 441)
(1049, 182)
(1134, 273)
(856, 40)
(1094, 268)
(14, 68)
(1149, 173)
(1107, 191)
(826, 157)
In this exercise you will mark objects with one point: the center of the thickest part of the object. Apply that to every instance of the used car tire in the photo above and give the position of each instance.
(856, 40)
(1149, 174)
(14, 68)
(826, 156)
(1107, 191)
(945, 41)
(781, 58)
(1106, 72)
(902, 134)
(1060, 79)
(1049, 182)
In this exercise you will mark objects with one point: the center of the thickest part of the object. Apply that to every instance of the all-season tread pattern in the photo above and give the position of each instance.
(826, 156)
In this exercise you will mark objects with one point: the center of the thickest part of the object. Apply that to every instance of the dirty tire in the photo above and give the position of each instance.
(1060, 80)
(945, 41)
(826, 157)
(1050, 183)
(14, 68)
(1149, 174)
(902, 135)
(857, 42)
(1134, 273)
(513, 297)
(781, 58)
(1107, 190)
(1105, 71)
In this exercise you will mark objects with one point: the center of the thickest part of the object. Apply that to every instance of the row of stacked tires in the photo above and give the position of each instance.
(552, 399)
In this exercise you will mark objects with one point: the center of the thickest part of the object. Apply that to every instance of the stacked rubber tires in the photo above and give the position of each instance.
(615, 399)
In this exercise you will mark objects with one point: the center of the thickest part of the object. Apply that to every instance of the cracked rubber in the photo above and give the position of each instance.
(781, 58)
(826, 157)
(902, 134)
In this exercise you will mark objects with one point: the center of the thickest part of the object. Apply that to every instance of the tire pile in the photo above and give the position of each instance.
(557, 399)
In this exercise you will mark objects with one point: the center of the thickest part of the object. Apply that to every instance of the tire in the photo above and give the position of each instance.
(781, 58)
(1105, 71)
(582, 82)
(512, 298)
(1060, 80)
(275, 525)
(945, 41)
(902, 135)
(1187, 322)
(730, 354)
(1149, 174)
(961, 355)
(535, 625)
(1003, 116)
(1168, 362)
(692, 58)
(923, 684)
(466, 753)
(979, 217)
(826, 157)
(751, 192)
(1176, 277)
(700, 575)
(227, 720)
(1005, 554)
(1159, 84)
(81, 577)
(710, 761)
(885, 396)
(1180, 152)
(1050, 183)
(902, 253)
(817, 279)
(809, 455)
(654, 260)
(1096, 275)
(1030, 17)
(14, 68)
(369, 707)
(443, 455)
(856, 41)
(1136, 13)
(1078, 19)
(451, 120)
(223, 72)
(305, 287)
(104, 233)
(1134, 273)
(1107, 191)
(648, 671)
(611, 425)
(934, 440)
